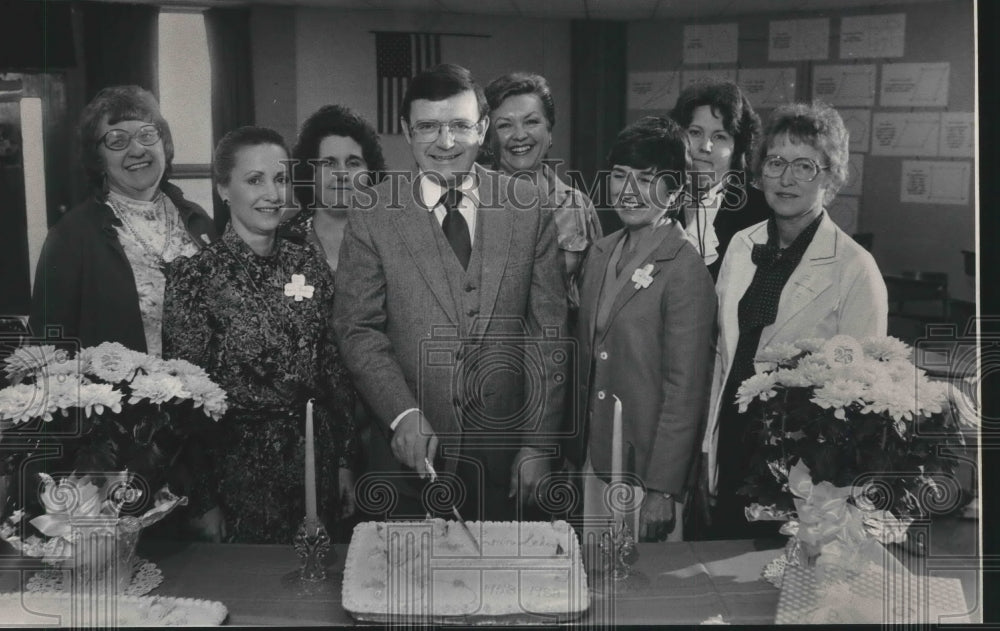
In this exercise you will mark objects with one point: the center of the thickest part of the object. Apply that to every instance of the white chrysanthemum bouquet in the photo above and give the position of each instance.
(104, 409)
(839, 414)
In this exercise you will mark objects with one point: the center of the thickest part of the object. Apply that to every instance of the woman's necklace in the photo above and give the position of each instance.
(122, 213)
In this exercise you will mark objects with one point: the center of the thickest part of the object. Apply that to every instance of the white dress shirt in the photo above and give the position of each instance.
(430, 195)
(700, 227)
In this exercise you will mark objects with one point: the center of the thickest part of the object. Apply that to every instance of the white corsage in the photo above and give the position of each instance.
(642, 276)
(298, 288)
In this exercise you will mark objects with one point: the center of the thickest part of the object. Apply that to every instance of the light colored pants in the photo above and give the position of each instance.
(598, 514)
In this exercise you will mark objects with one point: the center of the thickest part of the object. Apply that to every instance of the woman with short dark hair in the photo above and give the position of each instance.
(721, 127)
(100, 275)
(647, 315)
(339, 152)
(253, 309)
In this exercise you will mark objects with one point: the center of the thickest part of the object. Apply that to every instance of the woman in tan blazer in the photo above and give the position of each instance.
(647, 314)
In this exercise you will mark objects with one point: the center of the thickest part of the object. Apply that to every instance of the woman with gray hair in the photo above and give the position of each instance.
(794, 276)
(100, 275)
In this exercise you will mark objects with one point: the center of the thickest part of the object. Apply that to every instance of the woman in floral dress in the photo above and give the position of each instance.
(252, 310)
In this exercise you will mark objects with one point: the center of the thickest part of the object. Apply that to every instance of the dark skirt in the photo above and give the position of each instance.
(261, 476)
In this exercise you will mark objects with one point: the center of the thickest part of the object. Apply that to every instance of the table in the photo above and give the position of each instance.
(689, 582)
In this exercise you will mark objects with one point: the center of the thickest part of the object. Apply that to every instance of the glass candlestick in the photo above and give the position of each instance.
(312, 544)
(617, 554)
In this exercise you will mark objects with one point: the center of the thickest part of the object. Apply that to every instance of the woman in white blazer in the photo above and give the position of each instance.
(794, 276)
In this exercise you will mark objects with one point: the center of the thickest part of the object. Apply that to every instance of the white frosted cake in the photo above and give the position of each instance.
(527, 571)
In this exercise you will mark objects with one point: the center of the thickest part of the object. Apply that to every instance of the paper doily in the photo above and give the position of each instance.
(146, 577)
(774, 571)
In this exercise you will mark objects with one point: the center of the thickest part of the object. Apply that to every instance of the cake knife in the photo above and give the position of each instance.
(454, 510)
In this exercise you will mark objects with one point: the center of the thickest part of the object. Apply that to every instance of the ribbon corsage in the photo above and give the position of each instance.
(298, 288)
(643, 276)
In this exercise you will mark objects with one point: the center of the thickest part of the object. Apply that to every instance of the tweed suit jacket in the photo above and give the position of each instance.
(407, 341)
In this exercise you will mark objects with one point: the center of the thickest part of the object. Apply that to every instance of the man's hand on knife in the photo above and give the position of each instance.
(414, 441)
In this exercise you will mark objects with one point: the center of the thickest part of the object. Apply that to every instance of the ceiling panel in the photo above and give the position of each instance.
(630, 10)
(430, 6)
(723, 9)
(570, 9)
(488, 7)
(562, 9)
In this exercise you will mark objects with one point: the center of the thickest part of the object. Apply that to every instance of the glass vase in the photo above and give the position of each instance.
(103, 551)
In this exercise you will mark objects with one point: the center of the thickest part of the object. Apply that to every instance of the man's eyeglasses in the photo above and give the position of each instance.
(429, 130)
(118, 139)
(803, 169)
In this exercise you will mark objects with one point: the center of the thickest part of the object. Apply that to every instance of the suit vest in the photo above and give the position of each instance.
(464, 284)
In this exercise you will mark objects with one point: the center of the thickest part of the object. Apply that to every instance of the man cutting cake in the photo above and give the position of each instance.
(450, 306)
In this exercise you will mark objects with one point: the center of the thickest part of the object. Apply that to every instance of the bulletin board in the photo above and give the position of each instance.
(902, 78)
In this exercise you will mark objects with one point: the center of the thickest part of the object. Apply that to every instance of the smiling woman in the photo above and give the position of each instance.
(647, 312)
(522, 115)
(801, 163)
(229, 309)
(100, 274)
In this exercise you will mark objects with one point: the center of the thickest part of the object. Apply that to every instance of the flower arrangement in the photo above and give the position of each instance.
(108, 409)
(853, 439)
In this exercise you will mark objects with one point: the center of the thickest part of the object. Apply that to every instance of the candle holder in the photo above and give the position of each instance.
(615, 574)
(312, 543)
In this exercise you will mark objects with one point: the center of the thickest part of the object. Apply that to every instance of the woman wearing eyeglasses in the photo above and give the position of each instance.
(791, 277)
(100, 275)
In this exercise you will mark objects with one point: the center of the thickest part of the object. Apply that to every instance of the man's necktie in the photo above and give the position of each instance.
(456, 230)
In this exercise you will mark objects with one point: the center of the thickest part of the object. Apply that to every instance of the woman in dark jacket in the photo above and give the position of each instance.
(721, 127)
(100, 275)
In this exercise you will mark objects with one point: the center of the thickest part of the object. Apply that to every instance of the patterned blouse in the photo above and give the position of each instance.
(250, 322)
(151, 233)
(577, 225)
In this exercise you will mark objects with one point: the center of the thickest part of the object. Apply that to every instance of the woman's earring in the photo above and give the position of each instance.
(225, 201)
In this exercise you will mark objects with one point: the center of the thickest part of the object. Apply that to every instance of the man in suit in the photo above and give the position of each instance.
(450, 304)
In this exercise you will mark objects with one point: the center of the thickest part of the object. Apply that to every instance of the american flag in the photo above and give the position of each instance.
(398, 57)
